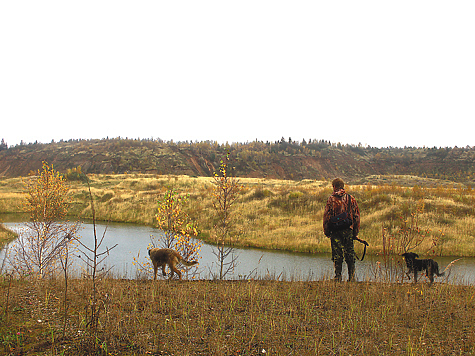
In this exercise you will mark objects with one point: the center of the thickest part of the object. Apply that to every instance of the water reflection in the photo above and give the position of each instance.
(132, 241)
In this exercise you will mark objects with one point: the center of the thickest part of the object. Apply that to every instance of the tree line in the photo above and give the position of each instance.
(285, 158)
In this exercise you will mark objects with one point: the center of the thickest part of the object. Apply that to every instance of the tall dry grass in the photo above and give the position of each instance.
(286, 215)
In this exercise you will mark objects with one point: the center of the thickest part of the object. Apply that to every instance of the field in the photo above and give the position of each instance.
(237, 318)
(254, 317)
(287, 215)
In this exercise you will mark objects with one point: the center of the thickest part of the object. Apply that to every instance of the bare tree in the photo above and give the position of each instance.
(93, 259)
(65, 264)
(225, 193)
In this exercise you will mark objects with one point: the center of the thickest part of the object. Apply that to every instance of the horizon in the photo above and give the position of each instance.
(159, 140)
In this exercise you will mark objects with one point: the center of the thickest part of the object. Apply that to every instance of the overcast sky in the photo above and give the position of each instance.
(382, 73)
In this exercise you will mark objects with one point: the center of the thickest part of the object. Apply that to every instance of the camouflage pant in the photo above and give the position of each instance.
(343, 249)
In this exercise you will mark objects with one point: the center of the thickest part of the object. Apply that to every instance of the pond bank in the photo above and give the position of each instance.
(6, 236)
(282, 215)
(133, 240)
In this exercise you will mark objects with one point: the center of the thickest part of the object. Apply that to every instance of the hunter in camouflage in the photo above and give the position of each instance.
(342, 205)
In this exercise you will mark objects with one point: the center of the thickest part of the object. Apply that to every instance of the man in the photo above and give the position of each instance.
(341, 223)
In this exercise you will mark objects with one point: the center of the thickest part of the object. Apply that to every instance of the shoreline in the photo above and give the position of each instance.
(374, 252)
(278, 215)
(6, 236)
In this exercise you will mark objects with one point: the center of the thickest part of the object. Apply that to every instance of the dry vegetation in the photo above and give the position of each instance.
(238, 318)
(287, 215)
(253, 317)
(5, 236)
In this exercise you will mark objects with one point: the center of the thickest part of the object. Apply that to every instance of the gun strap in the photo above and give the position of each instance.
(364, 253)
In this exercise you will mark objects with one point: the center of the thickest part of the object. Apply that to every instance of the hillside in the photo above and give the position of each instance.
(284, 159)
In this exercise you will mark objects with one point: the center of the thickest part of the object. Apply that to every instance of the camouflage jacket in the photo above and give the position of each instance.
(337, 203)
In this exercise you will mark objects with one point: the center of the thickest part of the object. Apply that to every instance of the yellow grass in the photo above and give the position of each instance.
(280, 214)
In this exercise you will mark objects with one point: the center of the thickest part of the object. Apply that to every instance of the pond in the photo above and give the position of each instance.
(132, 241)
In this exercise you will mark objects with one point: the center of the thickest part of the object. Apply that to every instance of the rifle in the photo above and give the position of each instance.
(364, 251)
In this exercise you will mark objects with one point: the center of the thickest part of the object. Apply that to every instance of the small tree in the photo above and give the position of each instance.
(179, 232)
(225, 193)
(3, 145)
(172, 219)
(93, 258)
(39, 247)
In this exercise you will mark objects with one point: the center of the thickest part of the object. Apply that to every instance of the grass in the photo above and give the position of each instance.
(253, 317)
(6, 236)
(287, 215)
(142, 317)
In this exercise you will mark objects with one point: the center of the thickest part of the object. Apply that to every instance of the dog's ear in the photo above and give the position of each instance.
(416, 255)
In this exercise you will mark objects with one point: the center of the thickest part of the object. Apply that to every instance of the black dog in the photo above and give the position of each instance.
(430, 266)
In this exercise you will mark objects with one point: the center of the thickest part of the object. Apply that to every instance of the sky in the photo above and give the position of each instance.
(380, 73)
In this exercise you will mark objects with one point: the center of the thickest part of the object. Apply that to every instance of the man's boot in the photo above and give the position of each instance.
(338, 269)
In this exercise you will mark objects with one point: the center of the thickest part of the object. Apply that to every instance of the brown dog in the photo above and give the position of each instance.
(165, 256)
(414, 265)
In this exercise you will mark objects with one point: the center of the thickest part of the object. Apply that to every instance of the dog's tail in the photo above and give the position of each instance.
(187, 263)
(448, 266)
